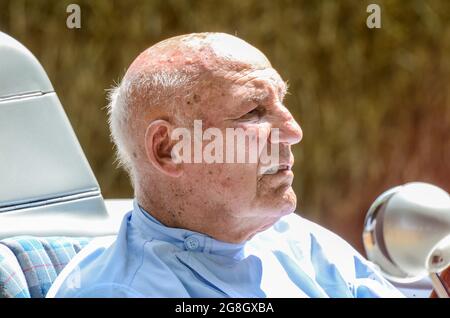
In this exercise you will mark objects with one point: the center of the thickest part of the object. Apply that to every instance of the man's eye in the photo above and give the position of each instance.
(255, 113)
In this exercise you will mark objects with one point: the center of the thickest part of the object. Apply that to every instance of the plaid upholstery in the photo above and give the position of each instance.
(38, 260)
(12, 279)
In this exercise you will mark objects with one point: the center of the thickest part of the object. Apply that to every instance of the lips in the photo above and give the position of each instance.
(276, 169)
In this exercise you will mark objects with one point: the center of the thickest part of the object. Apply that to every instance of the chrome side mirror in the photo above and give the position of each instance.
(407, 233)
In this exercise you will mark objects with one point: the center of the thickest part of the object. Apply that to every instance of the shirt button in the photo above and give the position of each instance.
(191, 243)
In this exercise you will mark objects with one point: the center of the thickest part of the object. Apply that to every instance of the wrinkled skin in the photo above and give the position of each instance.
(237, 87)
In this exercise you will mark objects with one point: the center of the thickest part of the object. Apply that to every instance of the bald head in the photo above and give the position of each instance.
(163, 81)
(197, 53)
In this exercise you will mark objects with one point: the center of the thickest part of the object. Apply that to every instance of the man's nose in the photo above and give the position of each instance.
(289, 130)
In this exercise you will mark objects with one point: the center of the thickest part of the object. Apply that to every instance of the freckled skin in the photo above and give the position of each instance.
(230, 202)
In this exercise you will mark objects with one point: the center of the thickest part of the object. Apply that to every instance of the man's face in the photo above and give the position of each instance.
(253, 102)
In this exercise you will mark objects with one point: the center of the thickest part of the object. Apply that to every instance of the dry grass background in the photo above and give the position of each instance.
(374, 104)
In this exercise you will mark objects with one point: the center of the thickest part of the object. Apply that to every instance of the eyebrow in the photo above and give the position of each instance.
(260, 96)
(275, 86)
(278, 87)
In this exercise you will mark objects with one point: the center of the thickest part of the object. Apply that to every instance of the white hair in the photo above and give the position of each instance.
(160, 88)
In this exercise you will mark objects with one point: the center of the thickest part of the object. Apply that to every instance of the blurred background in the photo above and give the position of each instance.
(374, 104)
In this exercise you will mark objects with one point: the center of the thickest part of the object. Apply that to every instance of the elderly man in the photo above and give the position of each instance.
(202, 229)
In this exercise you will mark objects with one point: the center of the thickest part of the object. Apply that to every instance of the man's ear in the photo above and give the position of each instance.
(158, 146)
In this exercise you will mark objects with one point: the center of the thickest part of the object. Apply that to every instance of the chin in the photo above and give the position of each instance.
(285, 207)
(288, 209)
(278, 205)
(288, 201)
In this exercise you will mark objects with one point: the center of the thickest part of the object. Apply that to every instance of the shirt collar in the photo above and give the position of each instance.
(188, 240)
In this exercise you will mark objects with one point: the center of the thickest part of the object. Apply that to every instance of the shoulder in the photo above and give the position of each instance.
(309, 241)
(328, 250)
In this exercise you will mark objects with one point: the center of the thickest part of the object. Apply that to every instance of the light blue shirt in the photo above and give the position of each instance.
(293, 258)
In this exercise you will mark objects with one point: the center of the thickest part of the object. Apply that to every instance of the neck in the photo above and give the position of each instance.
(212, 222)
